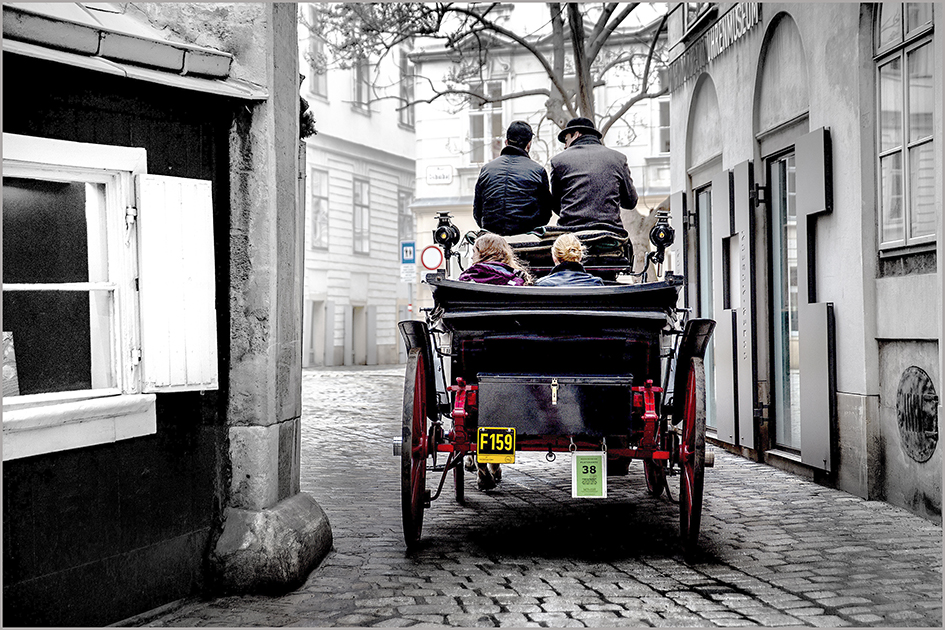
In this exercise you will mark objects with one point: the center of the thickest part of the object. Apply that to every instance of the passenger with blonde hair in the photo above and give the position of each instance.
(494, 262)
(567, 254)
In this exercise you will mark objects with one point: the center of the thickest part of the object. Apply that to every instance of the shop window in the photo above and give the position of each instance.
(785, 302)
(906, 88)
(362, 216)
(318, 199)
(704, 273)
(108, 293)
(486, 126)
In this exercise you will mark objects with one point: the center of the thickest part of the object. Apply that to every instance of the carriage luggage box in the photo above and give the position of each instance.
(589, 405)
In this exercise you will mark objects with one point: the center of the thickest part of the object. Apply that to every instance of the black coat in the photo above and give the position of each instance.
(512, 194)
(590, 183)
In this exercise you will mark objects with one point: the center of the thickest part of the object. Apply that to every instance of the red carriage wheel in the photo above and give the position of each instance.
(413, 454)
(655, 477)
(692, 458)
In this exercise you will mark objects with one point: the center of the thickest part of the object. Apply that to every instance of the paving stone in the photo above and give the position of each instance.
(786, 552)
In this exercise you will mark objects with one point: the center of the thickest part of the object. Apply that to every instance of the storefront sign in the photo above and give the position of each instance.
(725, 32)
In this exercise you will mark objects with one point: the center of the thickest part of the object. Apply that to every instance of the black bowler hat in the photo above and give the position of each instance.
(578, 124)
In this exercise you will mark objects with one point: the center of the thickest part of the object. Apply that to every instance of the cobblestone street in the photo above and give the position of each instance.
(776, 550)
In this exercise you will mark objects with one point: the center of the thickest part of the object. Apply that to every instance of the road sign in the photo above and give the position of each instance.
(408, 253)
(408, 273)
(431, 257)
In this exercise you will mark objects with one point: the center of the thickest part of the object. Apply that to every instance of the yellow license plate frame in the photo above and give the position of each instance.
(495, 445)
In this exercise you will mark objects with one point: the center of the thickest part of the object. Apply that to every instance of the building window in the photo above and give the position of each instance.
(319, 202)
(703, 198)
(785, 302)
(318, 81)
(406, 110)
(104, 301)
(693, 12)
(362, 216)
(486, 128)
(405, 218)
(906, 95)
(664, 127)
(362, 85)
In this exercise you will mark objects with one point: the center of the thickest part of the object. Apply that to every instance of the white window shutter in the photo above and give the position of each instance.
(176, 284)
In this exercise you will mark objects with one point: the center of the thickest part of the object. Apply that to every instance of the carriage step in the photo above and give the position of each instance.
(709, 459)
(397, 443)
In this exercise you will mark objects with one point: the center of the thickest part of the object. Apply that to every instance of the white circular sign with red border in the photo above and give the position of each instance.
(431, 257)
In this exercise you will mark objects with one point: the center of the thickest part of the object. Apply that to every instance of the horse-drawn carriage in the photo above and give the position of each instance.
(615, 371)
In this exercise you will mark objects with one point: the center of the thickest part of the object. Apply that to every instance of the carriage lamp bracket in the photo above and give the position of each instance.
(573, 446)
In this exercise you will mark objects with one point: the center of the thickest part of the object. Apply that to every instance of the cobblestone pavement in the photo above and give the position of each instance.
(776, 550)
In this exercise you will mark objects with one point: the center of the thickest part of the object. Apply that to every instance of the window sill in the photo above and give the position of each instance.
(906, 250)
(36, 430)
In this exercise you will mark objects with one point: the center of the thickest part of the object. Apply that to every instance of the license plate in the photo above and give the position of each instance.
(495, 445)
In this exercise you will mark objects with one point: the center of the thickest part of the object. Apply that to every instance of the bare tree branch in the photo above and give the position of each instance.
(597, 43)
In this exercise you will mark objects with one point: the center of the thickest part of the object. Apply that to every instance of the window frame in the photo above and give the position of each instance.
(40, 423)
(486, 110)
(163, 347)
(405, 216)
(663, 130)
(361, 216)
(318, 81)
(406, 115)
(318, 238)
(361, 86)
(906, 43)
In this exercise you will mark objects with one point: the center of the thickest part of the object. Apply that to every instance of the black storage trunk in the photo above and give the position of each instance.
(592, 405)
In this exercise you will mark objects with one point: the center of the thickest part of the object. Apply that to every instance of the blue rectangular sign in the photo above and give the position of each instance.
(408, 253)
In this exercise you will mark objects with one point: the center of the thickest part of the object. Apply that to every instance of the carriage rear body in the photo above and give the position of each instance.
(569, 369)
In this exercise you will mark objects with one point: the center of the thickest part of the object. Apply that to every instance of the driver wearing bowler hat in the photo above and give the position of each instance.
(589, 182)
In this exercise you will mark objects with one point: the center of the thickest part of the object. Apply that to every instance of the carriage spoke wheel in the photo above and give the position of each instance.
(692, 458)
(413, 455)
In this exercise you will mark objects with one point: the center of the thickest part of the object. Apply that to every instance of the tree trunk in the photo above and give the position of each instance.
(585, 87)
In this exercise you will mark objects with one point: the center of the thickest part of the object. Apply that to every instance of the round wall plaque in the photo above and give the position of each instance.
(917, 412)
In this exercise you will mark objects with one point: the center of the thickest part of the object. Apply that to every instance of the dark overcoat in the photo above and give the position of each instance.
(590, 183)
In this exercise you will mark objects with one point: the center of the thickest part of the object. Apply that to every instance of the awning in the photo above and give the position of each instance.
(103, 38)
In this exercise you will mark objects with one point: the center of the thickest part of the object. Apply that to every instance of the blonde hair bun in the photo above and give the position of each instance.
(568, 248)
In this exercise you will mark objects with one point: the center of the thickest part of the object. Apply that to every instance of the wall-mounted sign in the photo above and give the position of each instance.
(725, 32)
(439, 175)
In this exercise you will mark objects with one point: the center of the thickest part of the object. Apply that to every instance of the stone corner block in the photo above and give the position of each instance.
(271, 550)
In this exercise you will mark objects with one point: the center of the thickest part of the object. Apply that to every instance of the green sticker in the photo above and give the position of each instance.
(589, 476)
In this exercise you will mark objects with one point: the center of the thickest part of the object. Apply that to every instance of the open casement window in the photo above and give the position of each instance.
(84, 348)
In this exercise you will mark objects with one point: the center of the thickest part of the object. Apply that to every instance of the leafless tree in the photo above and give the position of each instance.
(585, 42)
